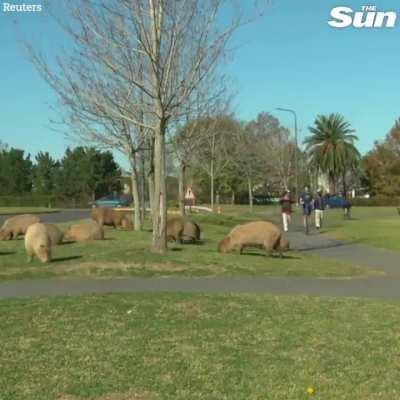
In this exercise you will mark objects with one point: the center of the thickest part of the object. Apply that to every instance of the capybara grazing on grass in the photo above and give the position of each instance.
(262, 234)
(55, 234)
(38, 243)
(88, 230)
(175, 228)
(15, 226)
(108, 216)
(126, 222)
(191, 231)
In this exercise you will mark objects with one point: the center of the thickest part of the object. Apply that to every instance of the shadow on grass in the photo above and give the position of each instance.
(70, 258)
(277, 256)
(175, 249)
(7, 253)
(195, 242)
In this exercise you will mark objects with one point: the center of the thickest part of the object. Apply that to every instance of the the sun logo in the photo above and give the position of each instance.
(368, 17)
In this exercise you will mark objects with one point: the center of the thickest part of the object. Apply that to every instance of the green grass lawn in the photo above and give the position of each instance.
(374, 226)
(26, 210)
(128, 253)
(179, 347)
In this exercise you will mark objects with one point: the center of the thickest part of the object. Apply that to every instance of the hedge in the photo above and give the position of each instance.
(50, 201)
(376, 201)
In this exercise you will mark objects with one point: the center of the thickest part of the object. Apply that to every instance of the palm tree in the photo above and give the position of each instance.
(330, 148)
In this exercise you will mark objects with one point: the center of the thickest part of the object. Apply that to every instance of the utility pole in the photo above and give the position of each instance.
(296, 165)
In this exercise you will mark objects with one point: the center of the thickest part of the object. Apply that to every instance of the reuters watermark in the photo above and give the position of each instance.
(21, 8)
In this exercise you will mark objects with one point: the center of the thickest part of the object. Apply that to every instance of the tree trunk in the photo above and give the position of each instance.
(160, 201)
(249, 184)
(344, 185)
(332, 184)
(150, 179)
(135, 193)
(182, 189)
(212, 172)
(142, 188)
(212, 184)
(150, 183)
(233, 198)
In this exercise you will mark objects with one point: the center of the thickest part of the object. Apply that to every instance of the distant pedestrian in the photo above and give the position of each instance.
(346, 209)
(286, 209)
(319, 206)
(306, 201)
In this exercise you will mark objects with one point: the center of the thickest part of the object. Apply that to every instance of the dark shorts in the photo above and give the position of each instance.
(307, 210)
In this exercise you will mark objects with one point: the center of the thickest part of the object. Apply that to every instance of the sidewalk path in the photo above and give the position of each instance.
(374, 288)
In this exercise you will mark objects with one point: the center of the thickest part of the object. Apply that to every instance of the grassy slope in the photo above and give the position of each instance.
(128, 253)
(159, 346)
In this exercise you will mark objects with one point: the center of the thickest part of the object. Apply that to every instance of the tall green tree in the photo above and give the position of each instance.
(15, 172)
(44, 173)
(331, 150)
(381, 166)
(86, 172)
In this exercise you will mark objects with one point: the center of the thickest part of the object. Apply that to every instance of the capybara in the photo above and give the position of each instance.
(17, 225)
(88, 230)
(262, 234)
(126, 222)
(38, 243)
(55, 234)
(191, 231)
(175, 228)
(108, 216)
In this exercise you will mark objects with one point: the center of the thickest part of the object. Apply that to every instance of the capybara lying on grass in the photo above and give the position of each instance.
(108, 216)
(55, 234)
(17, 225)
(262, 234)
(175, 228)
(38, 243)
(88, 230)
(191, 231)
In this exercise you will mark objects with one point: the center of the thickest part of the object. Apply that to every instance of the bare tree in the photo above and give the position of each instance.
(163, 50)
(275, 148)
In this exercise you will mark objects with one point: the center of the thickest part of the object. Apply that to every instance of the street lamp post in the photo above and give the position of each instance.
(295, 150)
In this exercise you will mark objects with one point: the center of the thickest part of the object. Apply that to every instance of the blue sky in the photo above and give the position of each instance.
(289, 58)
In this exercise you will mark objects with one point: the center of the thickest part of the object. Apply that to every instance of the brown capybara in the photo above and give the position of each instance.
(126, 222)
(175, 228)
(262, 234)
(15, 226)
(108, 216)
(38, 243)
(55, 234)
(88, 230)
(191, 231)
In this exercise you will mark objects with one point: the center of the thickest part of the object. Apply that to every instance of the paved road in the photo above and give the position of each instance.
(62, 216)
(383, 288)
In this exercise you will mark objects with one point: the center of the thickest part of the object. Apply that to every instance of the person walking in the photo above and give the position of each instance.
(306, 201)
(319, 207)
(286, 209)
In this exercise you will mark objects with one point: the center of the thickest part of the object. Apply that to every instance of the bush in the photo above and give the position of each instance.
(376, 201)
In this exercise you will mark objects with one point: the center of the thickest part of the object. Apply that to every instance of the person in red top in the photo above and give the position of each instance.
(286, 209)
